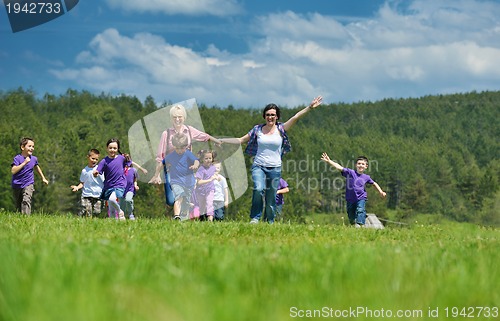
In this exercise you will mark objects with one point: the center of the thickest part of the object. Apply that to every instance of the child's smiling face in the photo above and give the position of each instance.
(361, 166)
(92, 159)
(207, 159)
(112, 149)
(27, 150)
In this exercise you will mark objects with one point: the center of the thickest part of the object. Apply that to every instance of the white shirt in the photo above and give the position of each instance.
(220, 187)
(92, 186)
(268, 149)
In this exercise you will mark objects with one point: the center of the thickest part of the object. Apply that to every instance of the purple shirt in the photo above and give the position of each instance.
(180, 174)
(355, 185)
(25, 176)
(280, 199)
(130, 176)
(113, 169)
(205, 173)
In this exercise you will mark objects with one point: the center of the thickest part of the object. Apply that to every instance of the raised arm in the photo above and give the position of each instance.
(314, 103)
(325, 158)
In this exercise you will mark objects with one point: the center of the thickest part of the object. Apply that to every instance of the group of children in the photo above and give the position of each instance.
(203, 195)
(114, 180)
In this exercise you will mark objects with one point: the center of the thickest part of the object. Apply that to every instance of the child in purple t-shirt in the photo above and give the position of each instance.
(23, 177)
(113, 167)
(127, 203)
(355, 193)
(205, 187)
(280, 199)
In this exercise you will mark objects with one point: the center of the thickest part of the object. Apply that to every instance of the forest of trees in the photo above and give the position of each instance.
(435, 155)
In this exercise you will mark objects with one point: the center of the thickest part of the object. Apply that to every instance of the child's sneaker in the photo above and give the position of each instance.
(131, 217)
(121, 216)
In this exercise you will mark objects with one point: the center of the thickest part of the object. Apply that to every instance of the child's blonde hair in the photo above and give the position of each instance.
(180, 140)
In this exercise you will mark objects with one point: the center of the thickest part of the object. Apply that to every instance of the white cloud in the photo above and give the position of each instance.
(427, 48)
(189, 7)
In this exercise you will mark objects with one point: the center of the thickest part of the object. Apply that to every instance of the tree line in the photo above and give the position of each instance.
(432, 155)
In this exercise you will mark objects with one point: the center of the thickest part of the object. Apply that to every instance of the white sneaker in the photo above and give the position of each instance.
(121, 216)
(254, 221)
(131, 217)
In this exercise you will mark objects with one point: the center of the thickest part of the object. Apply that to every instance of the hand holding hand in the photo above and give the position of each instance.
(155, 180)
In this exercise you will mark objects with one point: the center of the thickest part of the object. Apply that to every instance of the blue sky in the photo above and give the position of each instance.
(250, 53)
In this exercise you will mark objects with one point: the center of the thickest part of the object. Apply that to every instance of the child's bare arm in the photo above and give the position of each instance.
(75, 188)
(283, 190)
(226, 197)
(195, 165)
(156, 177)
(327, 160)
(145, 171)
(16, 168)
(380, 191)
(206, 181)
(39, 170)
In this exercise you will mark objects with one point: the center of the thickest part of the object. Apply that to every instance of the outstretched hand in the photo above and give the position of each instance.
(156, 179)
(316, 102)
(325, 157)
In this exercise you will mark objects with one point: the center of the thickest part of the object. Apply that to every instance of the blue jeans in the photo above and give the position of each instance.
(265, 185)
(356, 212)
(219, 210)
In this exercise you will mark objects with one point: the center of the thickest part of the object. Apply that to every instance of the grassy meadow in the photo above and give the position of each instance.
(67, 268)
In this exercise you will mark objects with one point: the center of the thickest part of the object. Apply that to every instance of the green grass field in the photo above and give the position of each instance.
(66, 268)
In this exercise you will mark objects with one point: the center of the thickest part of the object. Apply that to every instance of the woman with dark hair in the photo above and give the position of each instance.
(268, 143)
